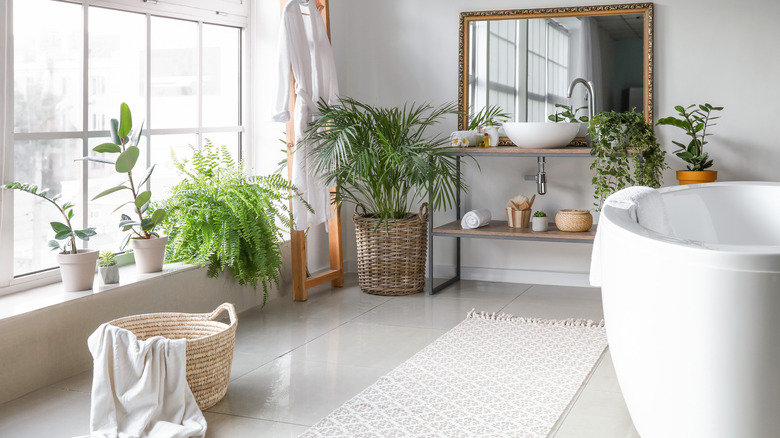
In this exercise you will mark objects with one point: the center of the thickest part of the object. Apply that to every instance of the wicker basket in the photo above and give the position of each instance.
(391, 257)
(573, 220)
(209, 346)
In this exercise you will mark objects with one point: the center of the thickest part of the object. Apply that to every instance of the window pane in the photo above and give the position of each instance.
(165, 174)
(174, 87)
(221, 55)
(48, 49)
(101, 211)
(117, 66)
(45, 163)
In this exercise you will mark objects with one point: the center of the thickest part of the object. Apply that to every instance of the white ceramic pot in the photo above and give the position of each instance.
(539, 223)
(149, 254)
(109, 274)
(78, 270)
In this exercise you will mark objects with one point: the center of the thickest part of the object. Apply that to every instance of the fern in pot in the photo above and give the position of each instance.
(381, 160)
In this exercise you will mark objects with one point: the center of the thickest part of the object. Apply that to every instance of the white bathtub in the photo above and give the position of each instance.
(693, 321)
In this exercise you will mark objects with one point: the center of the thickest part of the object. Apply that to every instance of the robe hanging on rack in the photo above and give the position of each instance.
(304, 46)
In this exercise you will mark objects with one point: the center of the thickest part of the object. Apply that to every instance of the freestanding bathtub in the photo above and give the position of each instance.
(693, 318)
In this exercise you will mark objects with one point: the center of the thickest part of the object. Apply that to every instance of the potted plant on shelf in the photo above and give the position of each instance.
(108, 267)
(77, 266)
(567, 114)
(148, 246)
(539, 221)
(625, 154)
(695, 123)
(381, 160)
(221, 218)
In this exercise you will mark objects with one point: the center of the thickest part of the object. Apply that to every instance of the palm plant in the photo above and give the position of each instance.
(491, 115)
(380, 158)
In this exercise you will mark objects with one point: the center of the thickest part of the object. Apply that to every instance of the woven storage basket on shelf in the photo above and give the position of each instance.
(209, 346)
(391, 257)
(574, 220)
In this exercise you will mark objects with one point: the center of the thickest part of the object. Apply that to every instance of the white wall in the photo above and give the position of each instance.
(718, 51)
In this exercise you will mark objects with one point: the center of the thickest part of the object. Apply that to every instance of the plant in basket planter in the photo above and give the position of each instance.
(77, 266)
(381, 160)
(148, 246)
(695, 123)
(625, 153)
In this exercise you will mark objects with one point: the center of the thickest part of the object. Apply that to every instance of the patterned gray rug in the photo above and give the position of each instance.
(491, 375)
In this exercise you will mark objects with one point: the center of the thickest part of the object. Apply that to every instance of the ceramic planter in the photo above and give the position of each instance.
(78, 270)
(696, 176)
(539, 223)
(109, 274)
(149, 254)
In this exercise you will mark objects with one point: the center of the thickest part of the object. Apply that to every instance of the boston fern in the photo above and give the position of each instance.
(221, 218)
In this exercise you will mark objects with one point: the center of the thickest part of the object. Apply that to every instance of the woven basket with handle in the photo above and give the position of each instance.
(209, 346)
(391, 256)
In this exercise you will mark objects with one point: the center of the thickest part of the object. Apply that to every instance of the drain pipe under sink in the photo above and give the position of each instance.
(540, 177)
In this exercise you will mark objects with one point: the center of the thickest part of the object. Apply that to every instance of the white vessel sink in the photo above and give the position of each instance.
(541, 135)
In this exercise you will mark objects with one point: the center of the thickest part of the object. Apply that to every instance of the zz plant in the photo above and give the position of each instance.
(695, 123)
(566, 113)
(625, 153)
(221, 218)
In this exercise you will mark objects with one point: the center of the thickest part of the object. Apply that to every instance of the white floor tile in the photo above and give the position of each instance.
(597, 414)
(229, 426)
(48, 412)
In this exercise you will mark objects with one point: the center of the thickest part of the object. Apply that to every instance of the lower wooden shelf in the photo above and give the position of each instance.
(501, 230)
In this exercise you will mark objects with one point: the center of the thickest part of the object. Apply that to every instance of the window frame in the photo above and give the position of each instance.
(231, 13)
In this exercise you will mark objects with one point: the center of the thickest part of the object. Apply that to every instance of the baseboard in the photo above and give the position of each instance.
(556, 278)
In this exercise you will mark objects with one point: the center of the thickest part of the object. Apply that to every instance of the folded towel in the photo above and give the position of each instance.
(645, 206)
(463, 138)
(475, 219)
(139, 388)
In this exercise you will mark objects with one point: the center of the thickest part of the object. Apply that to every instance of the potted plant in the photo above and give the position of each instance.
(148, 246)
(539, 221)
(381, 160)
(221, 218)
(625, 154)
(695, 123)
(567, 114)
(108, 267)
(487, 121)
(77, 266)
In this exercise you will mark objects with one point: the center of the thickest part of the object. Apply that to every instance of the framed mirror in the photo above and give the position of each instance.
(524, 60)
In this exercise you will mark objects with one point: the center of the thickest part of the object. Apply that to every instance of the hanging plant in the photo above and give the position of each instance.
(625, 153)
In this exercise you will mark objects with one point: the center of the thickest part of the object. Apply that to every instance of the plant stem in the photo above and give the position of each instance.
(67, 221)
(135, 196)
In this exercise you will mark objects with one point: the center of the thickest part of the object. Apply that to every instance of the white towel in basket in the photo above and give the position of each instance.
(139, 388)
(475, 219)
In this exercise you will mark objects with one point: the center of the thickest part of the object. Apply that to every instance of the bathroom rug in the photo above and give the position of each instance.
(491, 375)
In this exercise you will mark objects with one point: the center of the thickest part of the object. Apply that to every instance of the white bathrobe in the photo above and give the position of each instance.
(304, 46)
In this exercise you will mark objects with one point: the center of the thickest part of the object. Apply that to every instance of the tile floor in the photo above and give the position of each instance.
(296, 362)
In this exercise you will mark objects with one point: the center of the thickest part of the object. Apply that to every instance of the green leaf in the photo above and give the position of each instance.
(158, 216)
(109, 191)
(95, 159)
(59, 227)
(114, 131)
(137, 135)
(84, 234)
(122, 205)
(147, 224)
(125, 241)
(125, 121)
(63, 234)
(142, 198)
(53, 244)
(146, 175)
(110, 148)
(126, 160)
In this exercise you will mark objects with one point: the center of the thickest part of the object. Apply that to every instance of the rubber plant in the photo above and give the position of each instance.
(625, 153)
(219, 217)
(125, 144)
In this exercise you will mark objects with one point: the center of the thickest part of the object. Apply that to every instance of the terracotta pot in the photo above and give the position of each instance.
(149, 254)
(696, 176)
(78, 270)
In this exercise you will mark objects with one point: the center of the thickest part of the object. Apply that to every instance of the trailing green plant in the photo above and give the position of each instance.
(221, 218)
(491, 115)
(381, 159)
(625, 153)
(540, 214)
(62, 230)
(106, 258)
(566, 113)
(695, 123)
(125, 143)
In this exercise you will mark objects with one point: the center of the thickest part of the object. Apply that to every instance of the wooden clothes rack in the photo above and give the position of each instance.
(301, 282)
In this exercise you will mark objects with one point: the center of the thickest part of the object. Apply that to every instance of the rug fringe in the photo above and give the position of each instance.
(571, 322)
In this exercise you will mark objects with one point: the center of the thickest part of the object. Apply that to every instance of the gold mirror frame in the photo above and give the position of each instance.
(576, 11)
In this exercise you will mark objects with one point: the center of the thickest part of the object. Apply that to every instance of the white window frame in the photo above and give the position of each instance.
(234, 13)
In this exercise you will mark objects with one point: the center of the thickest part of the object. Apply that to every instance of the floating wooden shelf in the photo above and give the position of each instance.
(514, 151)
(500, 230)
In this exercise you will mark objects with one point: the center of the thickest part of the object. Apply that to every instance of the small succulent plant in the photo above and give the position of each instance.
(540, 214)
(107, 258)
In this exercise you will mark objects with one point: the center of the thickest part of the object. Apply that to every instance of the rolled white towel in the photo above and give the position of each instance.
(463, 138)
(475, 219)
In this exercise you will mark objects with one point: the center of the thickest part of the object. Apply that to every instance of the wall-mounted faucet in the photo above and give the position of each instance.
(591, 95)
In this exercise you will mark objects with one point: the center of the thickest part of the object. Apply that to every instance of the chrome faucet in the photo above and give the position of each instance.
(591, 93)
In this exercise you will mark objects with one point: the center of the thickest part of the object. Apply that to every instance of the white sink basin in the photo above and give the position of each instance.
(541, 135)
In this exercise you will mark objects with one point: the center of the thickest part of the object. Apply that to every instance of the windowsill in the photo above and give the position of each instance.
(36, 298)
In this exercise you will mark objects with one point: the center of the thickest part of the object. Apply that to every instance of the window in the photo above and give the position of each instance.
(548, 67)
(179, 68)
